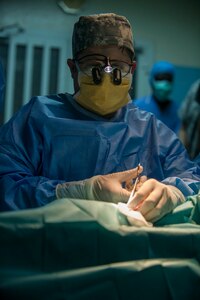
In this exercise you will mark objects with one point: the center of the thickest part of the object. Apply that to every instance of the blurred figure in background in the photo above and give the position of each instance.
(190, 118)
(2, 88)
(161, 80)
(2, 85)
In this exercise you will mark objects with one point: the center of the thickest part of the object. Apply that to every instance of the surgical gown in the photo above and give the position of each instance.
(52, 140)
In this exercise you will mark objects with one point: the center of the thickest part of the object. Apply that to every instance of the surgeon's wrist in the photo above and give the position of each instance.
(75, 189)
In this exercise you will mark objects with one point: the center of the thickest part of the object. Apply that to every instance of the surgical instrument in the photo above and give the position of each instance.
(135, 185)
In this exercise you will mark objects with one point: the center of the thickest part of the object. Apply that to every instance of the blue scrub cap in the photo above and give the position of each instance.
(161, 67)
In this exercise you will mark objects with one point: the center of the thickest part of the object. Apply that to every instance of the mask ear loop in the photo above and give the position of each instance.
(133, 67)
(117, 76)
(96, 75)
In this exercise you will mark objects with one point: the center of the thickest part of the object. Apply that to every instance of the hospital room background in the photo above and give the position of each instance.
(35, 42)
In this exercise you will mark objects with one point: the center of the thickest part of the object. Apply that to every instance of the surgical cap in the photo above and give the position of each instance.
(161, 67)
(101, 29)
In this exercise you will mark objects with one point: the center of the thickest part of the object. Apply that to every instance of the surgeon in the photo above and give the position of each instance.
(94, 143)
(159, 102)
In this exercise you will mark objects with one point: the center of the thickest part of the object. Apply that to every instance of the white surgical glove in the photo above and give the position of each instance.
(155, 199)
(101, 187)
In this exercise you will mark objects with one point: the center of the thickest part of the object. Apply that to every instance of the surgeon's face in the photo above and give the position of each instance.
(92, 56)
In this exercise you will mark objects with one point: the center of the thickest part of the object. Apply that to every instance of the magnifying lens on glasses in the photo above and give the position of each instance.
(116, 74)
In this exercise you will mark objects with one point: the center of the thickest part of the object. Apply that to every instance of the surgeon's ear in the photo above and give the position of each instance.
(72, 67)
(133, 67)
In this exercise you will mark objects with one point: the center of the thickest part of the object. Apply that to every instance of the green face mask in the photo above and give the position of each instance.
(162, 89)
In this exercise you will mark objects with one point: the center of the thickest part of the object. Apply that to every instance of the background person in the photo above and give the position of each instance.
(2, 85)
(84, 145)
(161, 80)
(190, 118)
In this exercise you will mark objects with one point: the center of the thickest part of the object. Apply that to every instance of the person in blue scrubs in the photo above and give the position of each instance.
(159, 102)
(89, 144)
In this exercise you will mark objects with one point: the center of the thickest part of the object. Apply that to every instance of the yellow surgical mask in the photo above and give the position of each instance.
(104, 98)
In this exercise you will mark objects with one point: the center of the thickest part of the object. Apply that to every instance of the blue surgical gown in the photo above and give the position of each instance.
(169, 115)
(52, 140)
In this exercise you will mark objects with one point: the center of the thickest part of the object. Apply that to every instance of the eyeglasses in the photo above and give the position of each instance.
(88, 63)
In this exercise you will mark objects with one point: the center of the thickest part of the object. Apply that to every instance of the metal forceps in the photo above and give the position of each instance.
(135, 185)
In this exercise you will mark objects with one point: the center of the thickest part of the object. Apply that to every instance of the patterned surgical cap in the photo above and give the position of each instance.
(101, 29)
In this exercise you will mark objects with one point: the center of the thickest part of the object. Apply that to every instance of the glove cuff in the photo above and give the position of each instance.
(179, 195)
(73, 189)
(82, 189)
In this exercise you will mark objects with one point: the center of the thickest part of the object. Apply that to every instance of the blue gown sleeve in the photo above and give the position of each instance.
(179, 170)
(21, 156)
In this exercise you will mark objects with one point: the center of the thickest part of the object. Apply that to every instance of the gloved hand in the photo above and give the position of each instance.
(101, 187)
(155, 199)
(130, 184)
